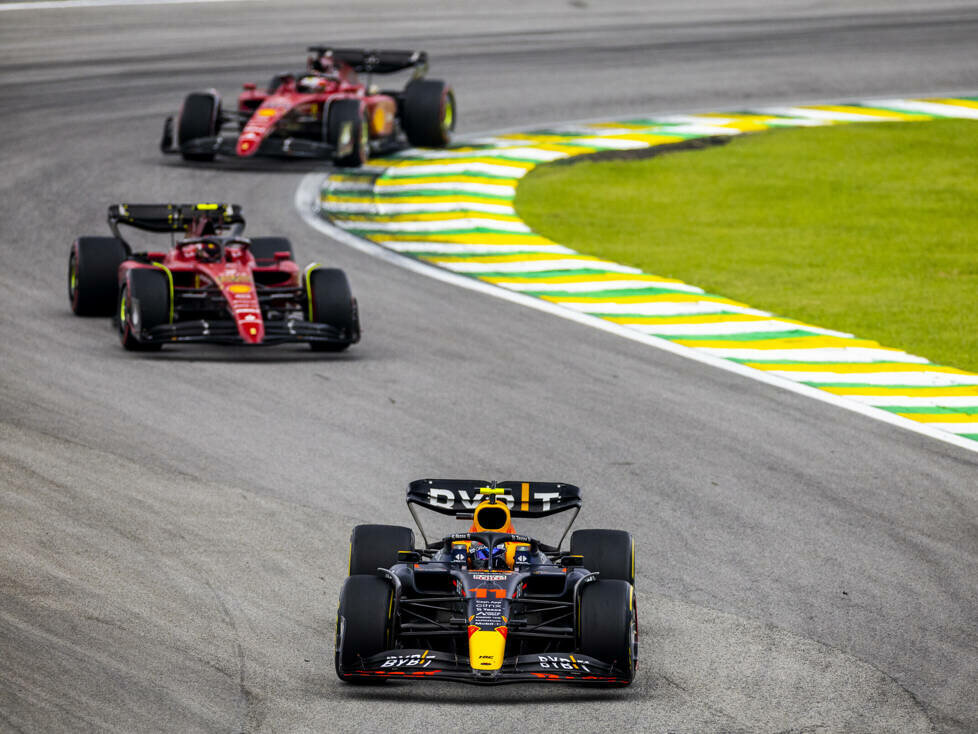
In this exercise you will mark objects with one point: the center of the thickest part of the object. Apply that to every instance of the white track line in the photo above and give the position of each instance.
(307, 198)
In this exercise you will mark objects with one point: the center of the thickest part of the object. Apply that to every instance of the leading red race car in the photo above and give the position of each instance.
(325, 111)
(211, 285)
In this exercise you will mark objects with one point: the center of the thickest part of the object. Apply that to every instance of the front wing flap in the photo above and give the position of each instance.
(436, 665)
(288, 147)
(226, 332)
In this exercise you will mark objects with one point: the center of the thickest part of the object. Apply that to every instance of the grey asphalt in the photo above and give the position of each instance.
(174, 527)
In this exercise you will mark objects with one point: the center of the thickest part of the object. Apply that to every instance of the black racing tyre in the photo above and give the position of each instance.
(200, 117)
(376, 546)
(341, 113)
(264, 248)
(608, 625)
(609, 552)
(144, 302)
(364, 623)
(429, 113)
(331, 302)
(93, 274)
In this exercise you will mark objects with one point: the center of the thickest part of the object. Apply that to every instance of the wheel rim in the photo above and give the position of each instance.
(633, 637)
(122, 310)
(72, 276)
(364, 141)
(448, 114)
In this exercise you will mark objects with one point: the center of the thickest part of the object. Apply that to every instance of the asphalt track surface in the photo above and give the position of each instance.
(174, 527)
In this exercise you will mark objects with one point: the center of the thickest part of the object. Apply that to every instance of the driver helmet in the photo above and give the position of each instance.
(478, 557)
(313, 83)
(210, 251)
(481, 559)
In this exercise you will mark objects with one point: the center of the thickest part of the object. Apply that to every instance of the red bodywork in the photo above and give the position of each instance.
(303, 103)
(234, 274)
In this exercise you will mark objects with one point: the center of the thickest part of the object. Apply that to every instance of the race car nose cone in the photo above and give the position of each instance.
(486, 649)
(248, 144)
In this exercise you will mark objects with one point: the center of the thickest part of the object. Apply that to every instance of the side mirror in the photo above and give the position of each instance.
(568, 561)
(408, 556)
(282, 255)
(249, 86)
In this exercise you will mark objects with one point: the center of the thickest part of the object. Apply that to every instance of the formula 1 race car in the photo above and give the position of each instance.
(211, 285)
(322, 112)
(489, 605)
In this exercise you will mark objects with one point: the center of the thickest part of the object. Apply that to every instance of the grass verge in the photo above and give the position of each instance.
(869, 228)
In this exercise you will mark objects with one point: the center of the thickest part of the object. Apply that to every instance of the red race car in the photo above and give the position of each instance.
(211, 285)
(322, 112)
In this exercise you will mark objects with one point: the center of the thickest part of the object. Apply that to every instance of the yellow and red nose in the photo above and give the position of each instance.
(248, 144)
(486, 648)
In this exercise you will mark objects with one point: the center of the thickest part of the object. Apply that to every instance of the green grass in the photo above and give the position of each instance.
(868, 228)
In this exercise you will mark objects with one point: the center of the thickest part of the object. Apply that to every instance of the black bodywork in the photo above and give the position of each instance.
(439, 602)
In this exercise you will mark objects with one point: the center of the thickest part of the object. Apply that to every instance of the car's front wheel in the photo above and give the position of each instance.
(200, 117)
(348, 133)
(608, 625)
(331, 302)
(144, 302)
(364, 624)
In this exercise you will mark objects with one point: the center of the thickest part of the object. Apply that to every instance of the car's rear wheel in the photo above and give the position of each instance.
(346, 129)
(429, 113)
(609, 552)
(264, 248)
(200, 117)
(144, 302)
(364, 624)
(93, 274)
(376, 546)
(608, 625)
(331, 302)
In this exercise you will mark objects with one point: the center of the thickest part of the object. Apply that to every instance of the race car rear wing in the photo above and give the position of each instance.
(460, 497)
(173, 217)
(372, 62)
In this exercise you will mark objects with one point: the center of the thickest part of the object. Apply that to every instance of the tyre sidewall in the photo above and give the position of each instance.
(200, 117)
(331, 302)
(425, 104)
(609, 552)
(608, 624)
(93, 274)
(364, 623)
(144, 302)
(376, 546)
(344, 111)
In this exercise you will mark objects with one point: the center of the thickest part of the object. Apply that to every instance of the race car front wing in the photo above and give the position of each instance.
(226, 332)
(535, 668)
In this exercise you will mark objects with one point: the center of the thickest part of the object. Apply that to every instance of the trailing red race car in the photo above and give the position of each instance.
(211, 284)
(489, 605)
(322, 112)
